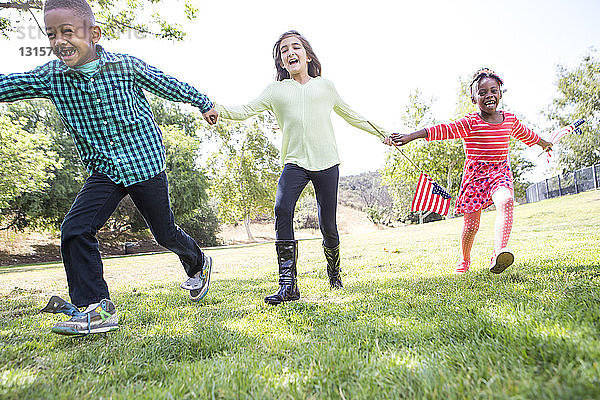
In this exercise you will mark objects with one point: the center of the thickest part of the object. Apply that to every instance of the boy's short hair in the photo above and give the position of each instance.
(80, 7)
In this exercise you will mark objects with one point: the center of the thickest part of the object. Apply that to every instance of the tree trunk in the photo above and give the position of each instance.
(247, 226)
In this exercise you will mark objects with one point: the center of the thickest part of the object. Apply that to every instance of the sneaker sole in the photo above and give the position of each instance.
(199, 294)
(503, 261)
(65, 331)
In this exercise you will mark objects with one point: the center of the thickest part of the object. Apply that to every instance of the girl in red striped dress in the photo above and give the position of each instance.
(487, 177)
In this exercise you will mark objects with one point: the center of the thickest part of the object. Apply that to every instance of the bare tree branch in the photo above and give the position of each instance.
(23, 5)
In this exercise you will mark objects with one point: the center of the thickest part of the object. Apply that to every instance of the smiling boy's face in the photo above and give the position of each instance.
(71, 37)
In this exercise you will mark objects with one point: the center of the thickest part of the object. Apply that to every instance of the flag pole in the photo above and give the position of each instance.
(397, 148)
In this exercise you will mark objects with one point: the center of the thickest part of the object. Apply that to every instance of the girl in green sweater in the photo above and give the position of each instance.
(302, 102)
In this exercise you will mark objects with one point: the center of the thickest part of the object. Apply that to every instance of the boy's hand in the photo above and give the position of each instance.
(211, 116)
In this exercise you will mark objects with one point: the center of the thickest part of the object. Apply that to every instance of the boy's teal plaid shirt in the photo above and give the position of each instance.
(108, 114)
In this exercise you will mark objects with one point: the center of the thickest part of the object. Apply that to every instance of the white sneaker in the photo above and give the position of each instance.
(97, 318)
(198, 284)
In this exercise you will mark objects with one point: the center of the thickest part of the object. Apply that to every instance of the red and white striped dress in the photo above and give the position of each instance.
(486, 148)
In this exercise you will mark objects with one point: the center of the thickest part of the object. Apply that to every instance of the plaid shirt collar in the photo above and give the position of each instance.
(105, 57)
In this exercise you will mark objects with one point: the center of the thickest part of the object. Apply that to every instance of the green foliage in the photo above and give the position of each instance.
(188, 187)
(403, 327)
(306, 212)
(244, 170)
(27, 160)
(578, 97)
(365, 192)
(441, 160)
(45, 208)
(167, 113)
(114, 17)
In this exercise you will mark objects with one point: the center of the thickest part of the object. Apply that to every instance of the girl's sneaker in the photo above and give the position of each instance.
(97, 318)
(198, 284)
(463, 267)
(501, 261)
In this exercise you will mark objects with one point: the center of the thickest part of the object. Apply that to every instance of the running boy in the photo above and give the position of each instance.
(100, 100)
(487, 177)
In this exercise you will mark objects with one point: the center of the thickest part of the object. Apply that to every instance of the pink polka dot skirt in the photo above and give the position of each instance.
(480, 180)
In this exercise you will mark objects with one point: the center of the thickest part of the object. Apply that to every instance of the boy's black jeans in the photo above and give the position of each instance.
(94, 204)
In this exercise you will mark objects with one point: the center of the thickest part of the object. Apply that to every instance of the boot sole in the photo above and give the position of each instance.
(275, 302)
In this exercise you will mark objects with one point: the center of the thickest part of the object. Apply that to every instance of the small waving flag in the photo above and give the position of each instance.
(430, 196)
(559, 133)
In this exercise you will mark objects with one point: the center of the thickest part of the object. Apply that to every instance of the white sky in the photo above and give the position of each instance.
(375, 52)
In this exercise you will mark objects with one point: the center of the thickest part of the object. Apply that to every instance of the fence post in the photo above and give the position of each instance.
(537, 192)
(547, 191)
(575, 181)
(595, 177)
(559, 189)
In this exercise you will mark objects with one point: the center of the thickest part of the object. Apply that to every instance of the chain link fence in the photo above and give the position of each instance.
(572, 182)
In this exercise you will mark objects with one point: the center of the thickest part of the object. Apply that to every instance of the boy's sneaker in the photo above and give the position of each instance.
(199, 283)
(97, 318)
(501, 261)
(463, 267)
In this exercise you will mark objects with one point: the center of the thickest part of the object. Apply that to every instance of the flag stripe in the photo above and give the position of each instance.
(430, 196)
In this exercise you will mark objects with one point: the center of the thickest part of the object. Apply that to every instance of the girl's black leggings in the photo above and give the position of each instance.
(292, 181)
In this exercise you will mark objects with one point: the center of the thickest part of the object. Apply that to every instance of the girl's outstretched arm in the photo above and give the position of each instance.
(544, 144)
(240, 113)
(399, 139)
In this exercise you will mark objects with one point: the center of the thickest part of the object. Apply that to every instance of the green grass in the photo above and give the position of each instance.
(403, 326)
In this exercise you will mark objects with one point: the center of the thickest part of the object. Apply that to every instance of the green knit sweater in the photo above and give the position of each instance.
(303, 112)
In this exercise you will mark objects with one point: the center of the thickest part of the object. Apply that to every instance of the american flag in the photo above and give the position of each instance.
(430, 196)
(559, 133)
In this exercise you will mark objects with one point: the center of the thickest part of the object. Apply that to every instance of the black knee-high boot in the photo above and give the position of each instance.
(287, 255)
(332, 255)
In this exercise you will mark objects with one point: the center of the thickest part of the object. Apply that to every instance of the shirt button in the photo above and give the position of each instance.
(98, 101)
(112, 143)
(118, 160)
(104, 122)
(92, 80)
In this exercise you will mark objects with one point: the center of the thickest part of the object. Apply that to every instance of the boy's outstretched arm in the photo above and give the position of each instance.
(20, 86)
(157, 82)
(399, 139)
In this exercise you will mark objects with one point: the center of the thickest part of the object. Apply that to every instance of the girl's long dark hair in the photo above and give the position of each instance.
(314, 66)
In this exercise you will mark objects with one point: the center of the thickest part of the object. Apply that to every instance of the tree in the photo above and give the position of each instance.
(27, 162)
(365, 192)
(244, 170)
(188, 186)
(578, 97)
(47, 206)
(115, 17)
(442, 160)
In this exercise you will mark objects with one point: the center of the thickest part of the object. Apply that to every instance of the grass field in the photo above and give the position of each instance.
(403, 326)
